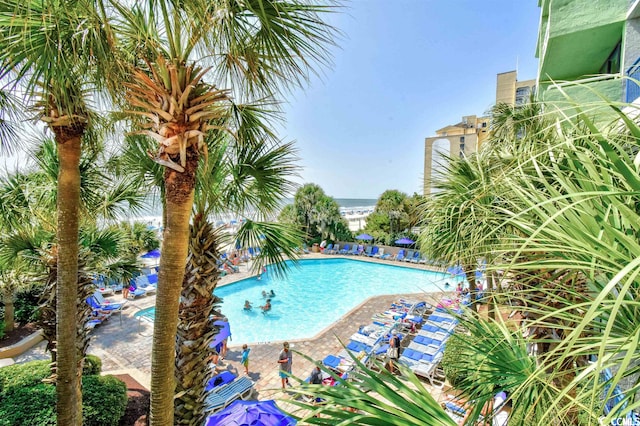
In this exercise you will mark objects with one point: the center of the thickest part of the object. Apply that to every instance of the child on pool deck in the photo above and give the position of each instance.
(245, 358)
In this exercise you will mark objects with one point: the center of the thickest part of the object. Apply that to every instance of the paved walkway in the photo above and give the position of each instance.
(125, 347)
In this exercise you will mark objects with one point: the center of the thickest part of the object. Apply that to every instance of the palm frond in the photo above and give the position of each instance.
(277, 242)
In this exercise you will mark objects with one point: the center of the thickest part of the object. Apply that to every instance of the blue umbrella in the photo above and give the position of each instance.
(405, 240)
(223, 333)
(251, 413)
(153, 254)
(364, 237)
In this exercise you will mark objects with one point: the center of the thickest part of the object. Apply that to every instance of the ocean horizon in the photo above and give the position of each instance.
(154, 209)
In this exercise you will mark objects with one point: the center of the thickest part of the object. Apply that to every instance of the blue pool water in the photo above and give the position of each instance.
(314, 295)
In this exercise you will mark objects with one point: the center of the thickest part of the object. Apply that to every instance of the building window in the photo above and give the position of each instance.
(522, 95)
(484, 124)
(612, 64)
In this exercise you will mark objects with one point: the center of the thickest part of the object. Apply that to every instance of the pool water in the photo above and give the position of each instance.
(315, 294)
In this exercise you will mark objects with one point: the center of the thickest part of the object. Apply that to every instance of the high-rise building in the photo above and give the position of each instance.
(467, 136)
(585, 47)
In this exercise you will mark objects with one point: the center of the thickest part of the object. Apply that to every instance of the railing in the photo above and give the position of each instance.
(632, 88)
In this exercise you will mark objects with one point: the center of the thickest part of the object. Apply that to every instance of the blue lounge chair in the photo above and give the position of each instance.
(400, 255)
(354, 250)
(408, 255)
(108, 304)
(220, 397)
(328, 249)
(345, 249)
(142, 282)
(415, 258)
(107, 310)
(373, 252)
(220, 380)
(134, 291)
(368, 251)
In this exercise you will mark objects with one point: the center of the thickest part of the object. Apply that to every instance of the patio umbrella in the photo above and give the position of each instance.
(251, 413)
(153, 254)
(405, 240)
(151, 258)
(366, 237)
(223, 333)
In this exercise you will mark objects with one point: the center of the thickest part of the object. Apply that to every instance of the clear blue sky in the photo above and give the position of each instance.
(403, 69)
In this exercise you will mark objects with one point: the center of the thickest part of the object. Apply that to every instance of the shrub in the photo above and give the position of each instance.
(455, 359)
(26, 306)
(92, 366)
(2, 324)
(28, 405)
(23, 375)
(25, 400)
(104, 400)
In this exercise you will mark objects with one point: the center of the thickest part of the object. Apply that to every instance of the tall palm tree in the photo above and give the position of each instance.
(254, 47)
(57, 54)
(241, 175)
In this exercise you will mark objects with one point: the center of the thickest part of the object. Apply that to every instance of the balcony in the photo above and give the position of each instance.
(588, 93)
(585, 90)
(632, 88)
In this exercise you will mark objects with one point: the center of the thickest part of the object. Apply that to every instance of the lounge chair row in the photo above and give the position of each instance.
(425, 351)
(412, 256)
(372, 341)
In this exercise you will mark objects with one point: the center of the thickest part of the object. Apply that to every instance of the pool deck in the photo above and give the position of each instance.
(125, 346)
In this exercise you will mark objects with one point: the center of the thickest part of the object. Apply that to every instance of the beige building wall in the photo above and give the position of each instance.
(460, 139)
(506, 87)
(467, 136)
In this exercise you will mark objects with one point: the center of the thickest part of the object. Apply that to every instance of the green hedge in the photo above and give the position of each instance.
(92, 366)
(455, 359)
(25, 400)
(104, 398)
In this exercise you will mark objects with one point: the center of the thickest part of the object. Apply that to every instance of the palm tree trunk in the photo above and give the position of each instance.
(68, 390)
(195, 329)
(491, 307)
(179, 201)
(471, 279)
(9, 311)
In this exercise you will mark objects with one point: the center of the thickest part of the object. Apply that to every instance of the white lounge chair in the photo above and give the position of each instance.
(142, 282)
(220, 397)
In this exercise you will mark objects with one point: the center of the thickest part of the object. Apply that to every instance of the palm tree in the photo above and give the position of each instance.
(255, 47)
(57, 54)
(28, 233)
(305, 201)
(239, 176)
(461, 218)
(577, 222)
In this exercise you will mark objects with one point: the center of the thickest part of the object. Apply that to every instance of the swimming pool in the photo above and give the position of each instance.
(314, 295)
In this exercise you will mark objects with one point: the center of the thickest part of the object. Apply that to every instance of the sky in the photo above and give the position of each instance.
(402, 70)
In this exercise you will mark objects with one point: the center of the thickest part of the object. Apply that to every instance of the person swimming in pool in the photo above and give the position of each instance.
(272, 293)
(247, 305)
(264, 294)
(267, 306)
